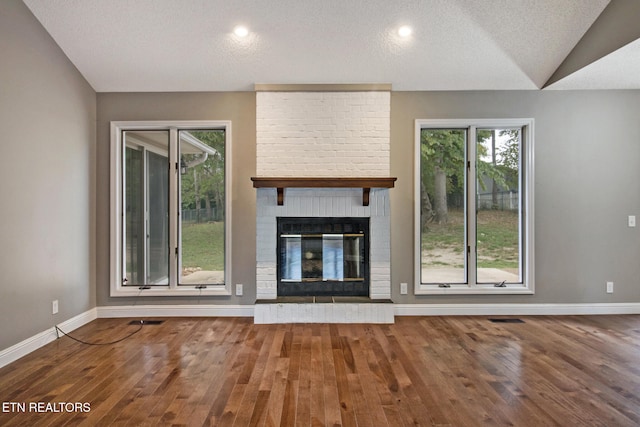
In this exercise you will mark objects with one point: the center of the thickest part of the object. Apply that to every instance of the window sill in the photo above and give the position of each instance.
(422, 289)
(163, 291)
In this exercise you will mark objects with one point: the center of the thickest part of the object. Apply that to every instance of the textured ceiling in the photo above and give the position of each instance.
(188, 45)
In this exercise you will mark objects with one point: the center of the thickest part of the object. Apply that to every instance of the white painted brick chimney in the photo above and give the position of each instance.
(323, 134)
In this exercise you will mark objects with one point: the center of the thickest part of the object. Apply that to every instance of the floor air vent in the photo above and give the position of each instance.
(146, 322)
(506, 320)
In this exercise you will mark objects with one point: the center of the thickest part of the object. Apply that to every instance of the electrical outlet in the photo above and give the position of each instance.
(239, 290)
(632, 220)
(609, 287)
(403, 288)
(54, 307)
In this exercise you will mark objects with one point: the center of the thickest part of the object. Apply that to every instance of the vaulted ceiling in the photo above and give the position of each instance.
(189, 45)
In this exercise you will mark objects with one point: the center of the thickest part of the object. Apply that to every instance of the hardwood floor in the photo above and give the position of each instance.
(434, 371)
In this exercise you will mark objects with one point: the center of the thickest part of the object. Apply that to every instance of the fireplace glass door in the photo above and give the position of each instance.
(323, 256)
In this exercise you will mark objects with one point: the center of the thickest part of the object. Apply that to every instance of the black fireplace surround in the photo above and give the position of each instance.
(323, 256)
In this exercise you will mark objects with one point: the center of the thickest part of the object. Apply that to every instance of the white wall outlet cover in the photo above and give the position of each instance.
(239, 290)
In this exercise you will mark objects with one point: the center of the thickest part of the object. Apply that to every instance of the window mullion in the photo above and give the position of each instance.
(173, 207)
(470, 217)
(145, 215)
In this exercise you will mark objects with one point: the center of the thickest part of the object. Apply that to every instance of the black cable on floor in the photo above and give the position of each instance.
(101, 343)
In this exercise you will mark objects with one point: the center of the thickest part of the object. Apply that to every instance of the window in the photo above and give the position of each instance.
(474, 206)
(170, 208)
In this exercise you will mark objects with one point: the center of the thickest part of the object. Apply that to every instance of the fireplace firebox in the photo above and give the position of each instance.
(323, 256)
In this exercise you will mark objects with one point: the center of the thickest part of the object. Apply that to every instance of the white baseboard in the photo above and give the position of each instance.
(176, 311)
(33, 343)
(399, 310)
(514, 309)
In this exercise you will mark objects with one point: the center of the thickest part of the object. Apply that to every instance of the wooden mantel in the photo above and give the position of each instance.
(280, 183)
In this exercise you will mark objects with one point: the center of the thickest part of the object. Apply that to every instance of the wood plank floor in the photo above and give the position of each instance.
(433, 371)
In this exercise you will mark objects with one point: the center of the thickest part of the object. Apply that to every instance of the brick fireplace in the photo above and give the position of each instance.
(323, 152)
(323, 202)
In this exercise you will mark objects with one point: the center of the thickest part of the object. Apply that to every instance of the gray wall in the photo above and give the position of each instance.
(587, 148)
(587, 179)
(47, 118)
(240, 108)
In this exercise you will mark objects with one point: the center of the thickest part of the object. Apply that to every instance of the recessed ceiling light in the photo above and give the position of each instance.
(241, 31)
(405, 31)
